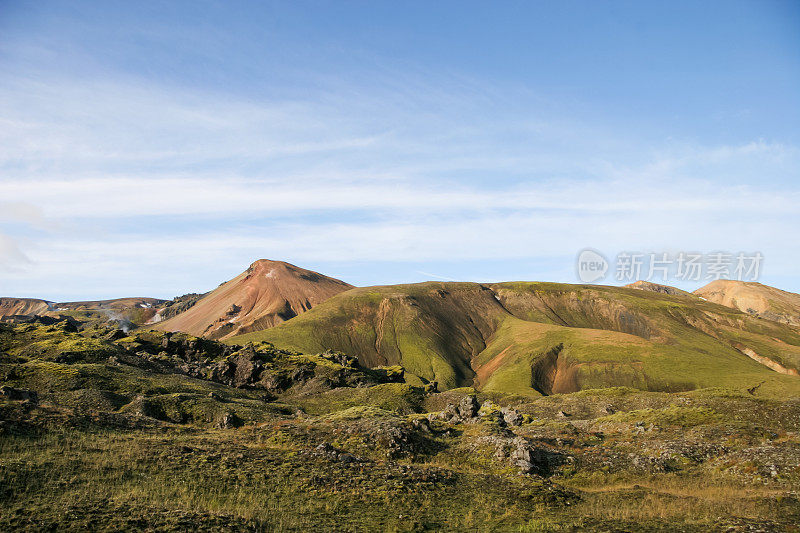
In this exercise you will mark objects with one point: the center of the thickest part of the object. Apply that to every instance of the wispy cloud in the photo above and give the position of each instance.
(237, 198)
(11, 257)
(436, 276)
(110, 182)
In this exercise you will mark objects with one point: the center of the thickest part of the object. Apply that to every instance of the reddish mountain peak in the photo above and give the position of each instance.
(267, 293)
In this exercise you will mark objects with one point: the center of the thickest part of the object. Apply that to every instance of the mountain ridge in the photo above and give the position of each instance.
(609, 336)
(266, 294)
(754, 298)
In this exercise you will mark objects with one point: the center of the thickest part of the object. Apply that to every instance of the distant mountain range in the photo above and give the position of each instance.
(516, 337)
(127, 311)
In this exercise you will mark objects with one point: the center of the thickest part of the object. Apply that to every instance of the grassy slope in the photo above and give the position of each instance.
(615, 336)
(114, 447)
(611, 359)
(432, 329)
(59, 475)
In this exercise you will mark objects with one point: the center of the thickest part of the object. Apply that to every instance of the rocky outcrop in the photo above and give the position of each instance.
(466, 410)
(229, 421)
(25, 395)
(531, 459)
(469, 410)
(656, 287)
(242, 369)
(331, 453)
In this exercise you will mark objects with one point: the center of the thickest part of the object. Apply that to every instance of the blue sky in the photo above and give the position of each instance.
(151, 148)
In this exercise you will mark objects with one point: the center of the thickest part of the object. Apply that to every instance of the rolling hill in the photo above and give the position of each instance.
(544, 338)
(655, 287)
(754, 298)
(266, 294)
(23, 306)
(117, 304)
(125, 311)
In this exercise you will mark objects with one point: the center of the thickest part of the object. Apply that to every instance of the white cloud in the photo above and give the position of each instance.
(418, 173)
(235, 198)
(11, 257)
(21, 212)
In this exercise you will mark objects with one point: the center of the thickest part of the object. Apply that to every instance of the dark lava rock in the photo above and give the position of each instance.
(116, 335)
(326, 451)
(534, 460)
(340, 358)
(512, 417)
(228, 421)
(468, 407)
(19, 394)
(466, 411)
(240, 370)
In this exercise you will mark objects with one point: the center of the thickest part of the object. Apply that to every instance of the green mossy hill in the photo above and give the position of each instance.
(382, 459)
(183, 379)
(58, 342)
(431, 329)
(546, 338)
(397, 397)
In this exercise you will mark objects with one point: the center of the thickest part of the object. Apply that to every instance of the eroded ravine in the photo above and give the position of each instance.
(553, 374)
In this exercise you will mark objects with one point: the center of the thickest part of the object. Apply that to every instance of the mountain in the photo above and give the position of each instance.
(127, 312)
(756, 299)
(545, 338)
(655, 287)
(117, 304)
(23, 306)
(266, 294)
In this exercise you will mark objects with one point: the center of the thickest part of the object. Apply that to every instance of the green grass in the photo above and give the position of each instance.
(672, 428)
(397, 397)
(673, 415)
(230, 480)
(111, 446)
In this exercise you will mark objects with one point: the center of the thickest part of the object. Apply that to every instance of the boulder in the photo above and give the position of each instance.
(302, 373)
(243, 369)
(326, 451)
(340, 358)
(531, 459)
(115, 335)
(276, 382)
(497, 417)
(468, 407)
(465, 411)
(19, 394)
(512, 417)
(228, 421)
